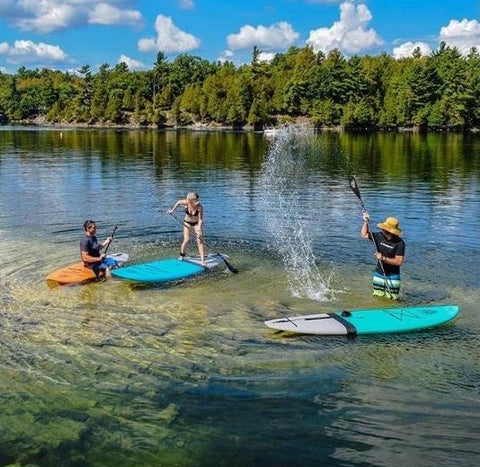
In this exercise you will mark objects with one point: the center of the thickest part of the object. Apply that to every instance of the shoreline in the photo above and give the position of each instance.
(213, 127)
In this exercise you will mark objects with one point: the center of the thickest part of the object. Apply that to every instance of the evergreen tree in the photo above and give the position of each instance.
(100, 94)
(113, 111)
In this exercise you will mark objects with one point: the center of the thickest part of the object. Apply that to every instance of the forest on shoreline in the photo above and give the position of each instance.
(440, 91)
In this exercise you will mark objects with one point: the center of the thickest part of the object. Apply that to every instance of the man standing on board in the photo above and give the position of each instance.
(90, 251)
(389, 252)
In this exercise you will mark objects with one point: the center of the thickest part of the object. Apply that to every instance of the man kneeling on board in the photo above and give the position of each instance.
(90, 251)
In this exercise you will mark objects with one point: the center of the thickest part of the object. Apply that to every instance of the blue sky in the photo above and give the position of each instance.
(67, 34)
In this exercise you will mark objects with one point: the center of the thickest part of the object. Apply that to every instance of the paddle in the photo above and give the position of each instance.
(354, 186)
(356, 190)
(231, 268)
(113, 233)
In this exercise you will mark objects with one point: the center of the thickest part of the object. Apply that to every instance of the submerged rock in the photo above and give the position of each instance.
(170, 413)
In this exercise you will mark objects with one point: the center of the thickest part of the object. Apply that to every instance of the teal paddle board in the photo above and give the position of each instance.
(373, 321)
(167, 270)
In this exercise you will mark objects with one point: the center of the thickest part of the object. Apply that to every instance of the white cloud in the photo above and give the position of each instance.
(104, 13)
(462, 34)
(279, 35)
(349, 34)
(241, 58)
(187, 4)
(406, 49)
(266, 56)
(131, 63)
(169, 38)
(227, 55)
(27, 52)
(45, 16)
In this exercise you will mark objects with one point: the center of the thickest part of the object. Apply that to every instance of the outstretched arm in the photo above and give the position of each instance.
(365, 232)
(175, 206)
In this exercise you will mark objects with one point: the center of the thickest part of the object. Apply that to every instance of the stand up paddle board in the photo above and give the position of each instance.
(374, 321)
(77, 273)
(166, 270)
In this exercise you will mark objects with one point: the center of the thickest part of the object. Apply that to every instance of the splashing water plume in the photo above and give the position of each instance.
(284, 174)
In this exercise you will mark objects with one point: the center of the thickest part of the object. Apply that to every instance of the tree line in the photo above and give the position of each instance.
(440, 91)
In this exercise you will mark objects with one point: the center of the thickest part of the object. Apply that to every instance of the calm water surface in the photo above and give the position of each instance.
(110, 374)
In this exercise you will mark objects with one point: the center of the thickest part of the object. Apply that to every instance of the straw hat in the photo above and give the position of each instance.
(390, 225)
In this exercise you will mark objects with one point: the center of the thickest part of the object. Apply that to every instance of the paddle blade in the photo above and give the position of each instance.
(354, 186)
(231, 268)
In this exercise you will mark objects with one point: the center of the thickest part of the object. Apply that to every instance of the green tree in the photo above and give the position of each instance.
(472, 83)
(85, 95)
(159, 76)
(325, 112)
(100, 94)
(113, 111)
(258, 116)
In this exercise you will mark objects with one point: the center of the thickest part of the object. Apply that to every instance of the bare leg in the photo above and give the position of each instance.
(186, 238)
(201, 245)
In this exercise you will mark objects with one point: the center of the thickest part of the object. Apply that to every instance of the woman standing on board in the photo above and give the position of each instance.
(192, 223)
(389, 252)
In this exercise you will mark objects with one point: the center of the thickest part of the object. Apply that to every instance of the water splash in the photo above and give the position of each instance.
(285, 172)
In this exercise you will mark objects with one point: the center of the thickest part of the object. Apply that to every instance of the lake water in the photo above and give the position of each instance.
(109, 374)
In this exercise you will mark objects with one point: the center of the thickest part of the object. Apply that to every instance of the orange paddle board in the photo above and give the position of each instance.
(77, 273)
(73, 274)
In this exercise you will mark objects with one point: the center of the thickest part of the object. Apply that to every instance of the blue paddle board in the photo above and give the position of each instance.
(373, 321)
(167, 270)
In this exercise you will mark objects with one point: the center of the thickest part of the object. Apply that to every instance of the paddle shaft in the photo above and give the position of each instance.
(231, 268)
(113, 233)
(354, 186)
